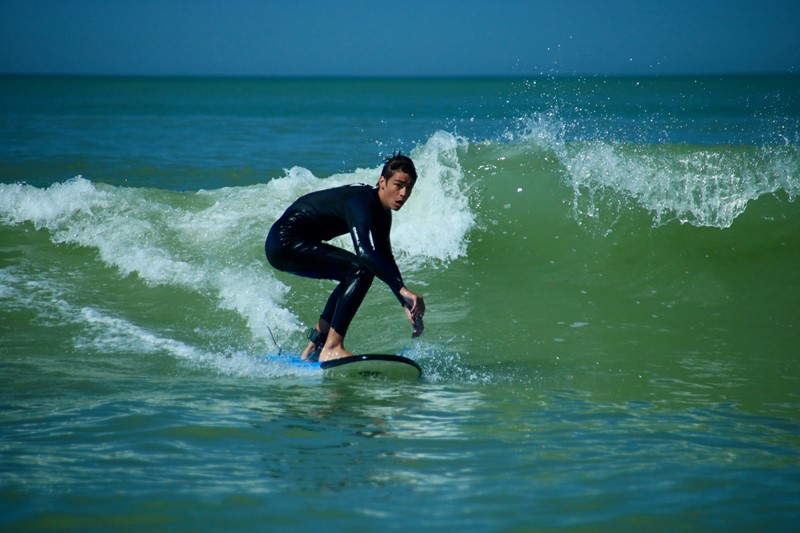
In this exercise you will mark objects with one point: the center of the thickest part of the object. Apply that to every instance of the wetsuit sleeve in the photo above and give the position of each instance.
(372, 245)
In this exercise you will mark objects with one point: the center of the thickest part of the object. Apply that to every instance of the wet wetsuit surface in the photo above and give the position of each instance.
(296, 244)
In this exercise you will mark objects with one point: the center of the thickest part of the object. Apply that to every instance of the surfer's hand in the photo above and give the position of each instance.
(414, 302)
(415, 310)
(419, 327)
(416, 321)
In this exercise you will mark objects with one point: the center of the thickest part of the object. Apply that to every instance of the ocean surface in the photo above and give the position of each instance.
(611, 268)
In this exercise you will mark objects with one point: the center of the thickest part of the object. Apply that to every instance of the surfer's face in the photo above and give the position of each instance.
(395, 191)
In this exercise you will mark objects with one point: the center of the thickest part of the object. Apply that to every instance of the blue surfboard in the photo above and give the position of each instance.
(364, 366)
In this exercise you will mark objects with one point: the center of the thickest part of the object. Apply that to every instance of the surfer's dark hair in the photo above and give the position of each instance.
(399, 163)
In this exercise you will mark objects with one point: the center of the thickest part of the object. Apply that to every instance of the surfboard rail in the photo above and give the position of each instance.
(373, 365)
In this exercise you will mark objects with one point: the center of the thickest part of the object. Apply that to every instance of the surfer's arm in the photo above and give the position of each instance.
(375, 258)
(374, 249)
(413, 303)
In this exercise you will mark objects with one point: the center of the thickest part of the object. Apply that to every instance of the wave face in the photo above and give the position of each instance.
(621, 239)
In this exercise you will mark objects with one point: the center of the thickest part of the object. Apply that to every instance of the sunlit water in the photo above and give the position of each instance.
(610, 267)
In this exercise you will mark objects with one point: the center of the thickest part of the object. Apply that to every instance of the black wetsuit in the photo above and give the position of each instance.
(295, 244)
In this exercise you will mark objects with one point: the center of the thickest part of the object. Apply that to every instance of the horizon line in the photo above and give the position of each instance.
(542, 75)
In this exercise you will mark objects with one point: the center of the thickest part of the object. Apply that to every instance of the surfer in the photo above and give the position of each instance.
(295, 244)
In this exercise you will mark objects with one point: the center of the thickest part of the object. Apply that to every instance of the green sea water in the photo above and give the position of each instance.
(610, 267)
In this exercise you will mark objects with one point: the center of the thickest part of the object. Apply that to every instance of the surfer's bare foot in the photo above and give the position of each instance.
(332, 352)
(334, 347)
(310, 348)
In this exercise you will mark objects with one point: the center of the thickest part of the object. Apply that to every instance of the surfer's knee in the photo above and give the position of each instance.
(360, 275)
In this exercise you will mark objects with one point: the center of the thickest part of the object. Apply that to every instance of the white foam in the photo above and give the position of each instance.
(50, 207)
(42, 296)
(701, 186)
(211, 242)
(148, 234)
(110, 334)
(8, 291)
(436, 221)
(51, 297)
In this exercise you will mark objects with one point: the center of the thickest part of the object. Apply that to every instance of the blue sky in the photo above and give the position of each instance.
(406, 38)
